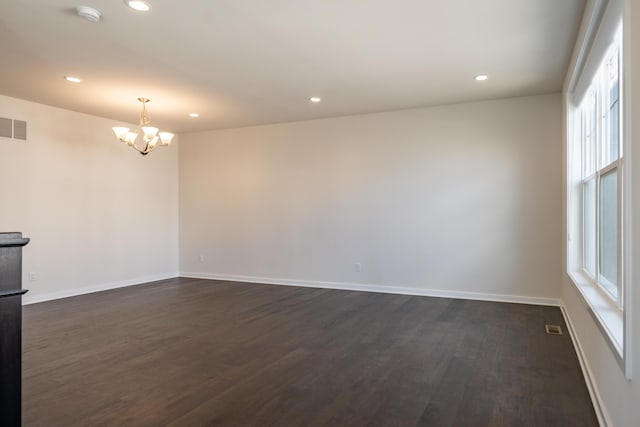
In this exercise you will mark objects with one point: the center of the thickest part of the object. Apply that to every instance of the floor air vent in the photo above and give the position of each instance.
(553, 329)
(13, 129)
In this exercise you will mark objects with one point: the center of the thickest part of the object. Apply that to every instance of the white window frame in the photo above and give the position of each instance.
(611, 313)
(599, 133)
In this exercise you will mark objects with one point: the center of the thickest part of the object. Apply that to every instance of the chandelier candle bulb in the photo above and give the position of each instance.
(130, 138)
(120, 132)
(149, 131)
(165, 138)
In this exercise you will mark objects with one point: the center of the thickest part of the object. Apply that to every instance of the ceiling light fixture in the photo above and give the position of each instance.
(150, 135)
(88, 13)
(72, 79)
(481, 77)
(194, 115)
(315, 99)
(139, 5)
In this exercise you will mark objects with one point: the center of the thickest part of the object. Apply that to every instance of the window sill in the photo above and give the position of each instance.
(608, 317)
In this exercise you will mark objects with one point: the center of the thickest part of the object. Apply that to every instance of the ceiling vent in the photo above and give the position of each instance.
(13, 129)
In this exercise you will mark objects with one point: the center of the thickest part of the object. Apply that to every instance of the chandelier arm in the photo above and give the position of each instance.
(143, 152)
(135, 147)
(147, 148)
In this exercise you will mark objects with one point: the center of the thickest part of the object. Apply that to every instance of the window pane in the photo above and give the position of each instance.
(614, 124)
(589, 235)
(610, 106)
(588, 109)
(609, 231)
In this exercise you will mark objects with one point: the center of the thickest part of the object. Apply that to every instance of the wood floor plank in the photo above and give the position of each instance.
(190, 352)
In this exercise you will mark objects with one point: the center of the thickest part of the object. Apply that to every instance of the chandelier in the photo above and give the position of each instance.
(151, 138)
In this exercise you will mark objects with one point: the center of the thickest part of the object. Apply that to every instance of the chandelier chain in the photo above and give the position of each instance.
(144, 120)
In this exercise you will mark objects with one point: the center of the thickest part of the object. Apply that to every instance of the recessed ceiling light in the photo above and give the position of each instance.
(72, 79)
(481, 77)
(315, 99)
(194, 115)
(139, 5)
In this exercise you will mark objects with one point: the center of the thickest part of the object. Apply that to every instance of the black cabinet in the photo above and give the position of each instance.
(11, 328)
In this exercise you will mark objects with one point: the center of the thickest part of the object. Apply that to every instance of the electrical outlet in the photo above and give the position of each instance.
(358, 267)
(32, 277)
(201, 259)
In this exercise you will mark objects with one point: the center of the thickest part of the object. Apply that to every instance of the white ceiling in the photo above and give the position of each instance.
(247, 62)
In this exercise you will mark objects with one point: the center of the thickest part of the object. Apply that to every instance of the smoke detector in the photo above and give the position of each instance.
(88, 13)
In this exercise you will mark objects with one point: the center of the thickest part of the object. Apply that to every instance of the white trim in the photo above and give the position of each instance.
(34, 298)
(601, 22)
(593, 14)
(365, 287)
(598, 405)
(606, 315)
(627, 187)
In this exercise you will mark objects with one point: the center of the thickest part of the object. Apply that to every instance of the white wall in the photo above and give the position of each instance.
(620, 398)
(99, 215)
(456, 200)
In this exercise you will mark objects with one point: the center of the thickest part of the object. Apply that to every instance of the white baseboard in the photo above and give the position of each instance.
(376, 288)
(32, 298)
(601, 412)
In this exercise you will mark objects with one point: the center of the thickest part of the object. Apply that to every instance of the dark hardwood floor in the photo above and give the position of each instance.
(186, 352)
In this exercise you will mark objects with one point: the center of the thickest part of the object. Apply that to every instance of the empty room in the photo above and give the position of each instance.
(319, 213)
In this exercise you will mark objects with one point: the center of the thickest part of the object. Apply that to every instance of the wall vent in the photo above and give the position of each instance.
(553, 329)
(6, 128)
(13, 129)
